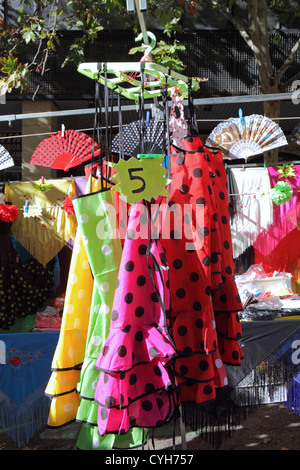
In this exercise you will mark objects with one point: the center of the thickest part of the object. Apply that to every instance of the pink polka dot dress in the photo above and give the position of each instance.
(136, 386)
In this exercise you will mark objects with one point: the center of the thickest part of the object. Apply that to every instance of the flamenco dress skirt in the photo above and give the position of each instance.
(136, 386)
(97, 223)
(226, 300)
(24, 286)
(195, 275)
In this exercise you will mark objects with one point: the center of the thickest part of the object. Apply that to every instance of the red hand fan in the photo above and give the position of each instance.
(63, 152)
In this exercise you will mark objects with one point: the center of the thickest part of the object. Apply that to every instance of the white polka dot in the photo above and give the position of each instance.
(96, 442)
(68, 407)
(62, 379)
(85, 240)
(83, 218)
(104, 286)
(213, 324)
(94, 384)
(96, 340)
(81, 293)
(218, 363)
(225, 381)
(106, 250)
(104, 309)
(69, 309)
(76, 322)
(85, 264)
(71, 352)
(73, 278)
(77, 249)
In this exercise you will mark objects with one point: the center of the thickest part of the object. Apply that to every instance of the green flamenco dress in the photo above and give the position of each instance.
(96, 219)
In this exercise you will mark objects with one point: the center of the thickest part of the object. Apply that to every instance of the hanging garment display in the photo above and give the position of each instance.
(24, 287)
(6, 160)
(195, 269)
(65, 150)
(254, 208)
(277, 247)
(97, 223)
(136, 387)
(43, 227)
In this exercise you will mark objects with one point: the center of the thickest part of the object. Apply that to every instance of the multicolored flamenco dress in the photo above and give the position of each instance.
(24, 286)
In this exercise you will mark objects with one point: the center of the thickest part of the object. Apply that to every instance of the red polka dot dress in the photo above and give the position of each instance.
(226, 300)
(195, 269)
(136, 386)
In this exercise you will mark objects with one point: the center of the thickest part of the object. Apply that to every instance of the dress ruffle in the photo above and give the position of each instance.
(136, 387)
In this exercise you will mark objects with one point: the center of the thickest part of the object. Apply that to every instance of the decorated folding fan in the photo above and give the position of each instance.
(63, 151)
(246, 136)
(6, 160)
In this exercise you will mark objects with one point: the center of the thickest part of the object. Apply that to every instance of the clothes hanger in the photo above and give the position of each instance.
(129, 74)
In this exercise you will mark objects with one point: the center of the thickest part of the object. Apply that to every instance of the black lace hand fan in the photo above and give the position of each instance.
(247, 136)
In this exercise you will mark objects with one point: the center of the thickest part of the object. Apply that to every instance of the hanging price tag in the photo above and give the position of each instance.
(140, 179)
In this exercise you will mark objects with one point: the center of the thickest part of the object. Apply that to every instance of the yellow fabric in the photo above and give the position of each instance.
(70, 351)
(45, 235)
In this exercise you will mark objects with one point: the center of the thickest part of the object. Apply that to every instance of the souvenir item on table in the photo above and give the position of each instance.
(246, 136)
(97, 224)
(135, 387)
(6, 160)
(194, 261)
(253, 207)
(46, 234)
(24, 287)
(65, 150)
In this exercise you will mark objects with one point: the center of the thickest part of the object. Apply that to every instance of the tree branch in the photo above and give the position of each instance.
(288, 61)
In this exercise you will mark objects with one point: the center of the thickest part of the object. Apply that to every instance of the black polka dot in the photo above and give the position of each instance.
(206, 261)
(122, 351)
(159, 402)
(183, 370)
(129, 266)
(110, 401)
(104, 413)
(194, 277)
(197, 306)
(184, 189)
(128, 298)
(147, 405)
(142, 249)
(203, 365)
(177, 263)
(126, 329)
(180, 160)
(197, 172)
(207, 389)
(139, 336)
(182, 330)
(141, 280)
(139, 311)
(153, 352)
(226, 244)
(149, 388)
(180, 293)
(204, 231)
(201, 201)
(223, 298)
(228, 270)
(154, 297)
(174, 235)
(199, 323)
(221, 195)
(114, 315)
(224, 219)
(132, 379)
(235, 355)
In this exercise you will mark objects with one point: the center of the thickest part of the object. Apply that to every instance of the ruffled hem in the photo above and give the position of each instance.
(153, 410)
(127, 348)
(63, 409)
(120, 390)
(89, 439)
